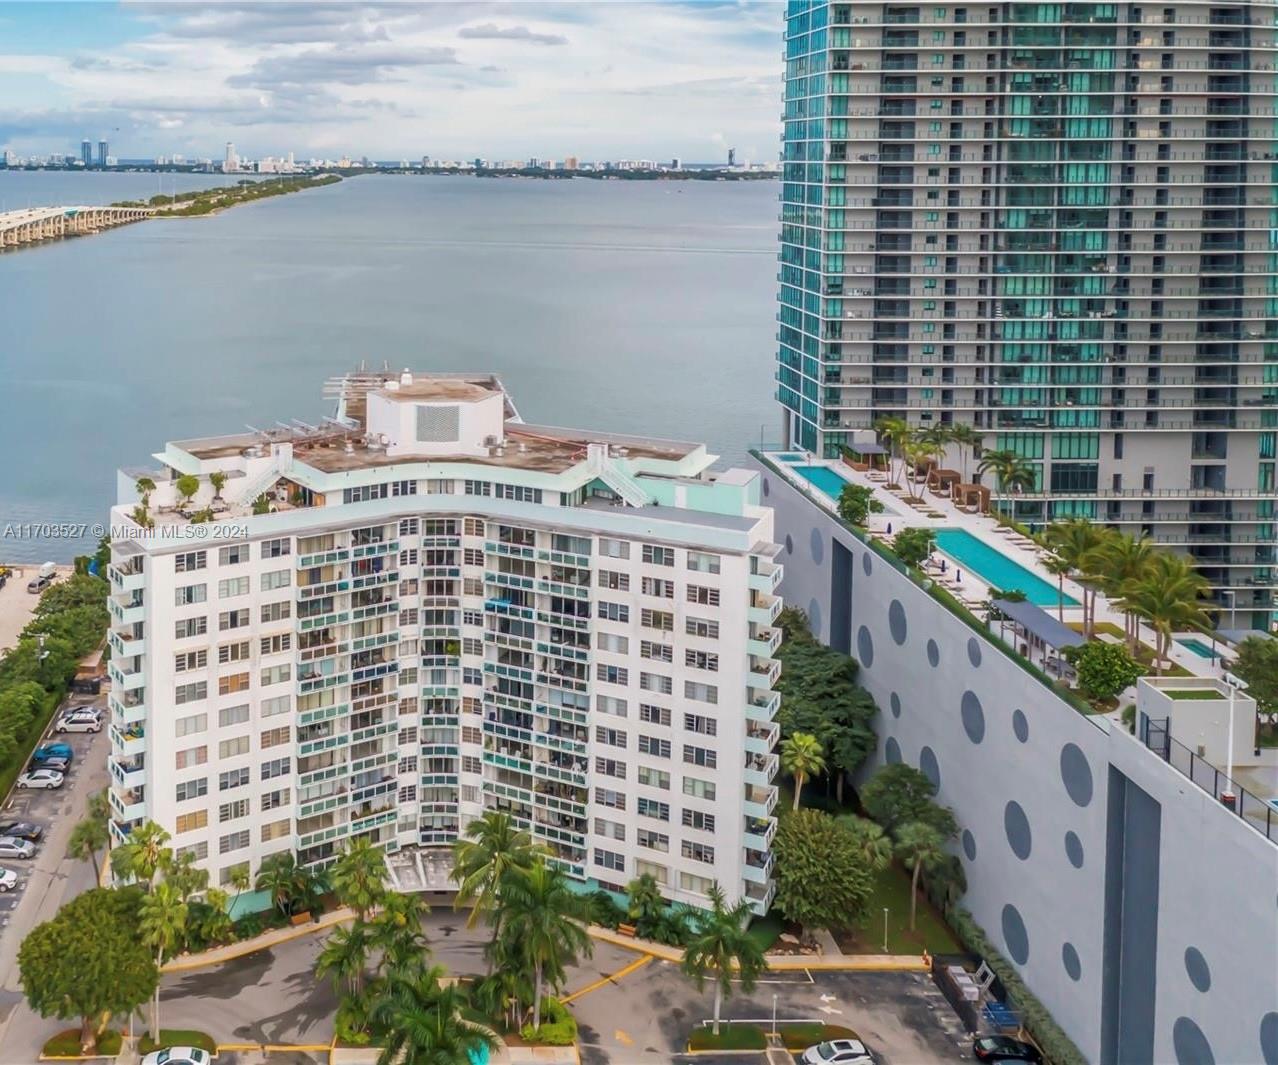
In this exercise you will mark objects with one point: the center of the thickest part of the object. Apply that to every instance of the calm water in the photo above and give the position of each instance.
(627, 306)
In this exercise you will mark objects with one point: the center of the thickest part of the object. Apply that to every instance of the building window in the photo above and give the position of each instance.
(190, 561)
(274, 645)
(275, 736)
(695, 885)
(191, 693)
(661, 620)
(706, 660)
(652, 808)
(618, 582)
(276, 830)
(654, 841)
(232, 683)
(233, 811)
(610, 860)
(657, 652)
(232, 619)
(707, 726)
(658, 748)
(609, 829)
(702, 627)
(233, 778)
(277, 768)
(189, 757)
(276, 611)
(612, 674)
(655, 682)
(702, 756)
(700, 563)
(231, 872)
(192, 789)
(702, 693)
(233, 555)
(277, 578)
(607, 797)
(658, 556)
(277, 674)
(609, 767)
(185, 661)
(189, 726)
(235, 841)
(698, 852)
(276, 548)
(698, 820)
(273, 800)
(654, 715)
(662, 589)
(614, 548)
(196, 852)
(232, 715)
(189, 594)
(608, 704)
(654, 778)
(232, 587)
(190, 822)
(698, 789)
(614, 612)
(233, 652)
(191, 627)
(705, 596)
(233, 747)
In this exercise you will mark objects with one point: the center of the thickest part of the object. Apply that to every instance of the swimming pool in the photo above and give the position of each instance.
(1199, 648)
(823, 479)
(792, 456)
(996, 569)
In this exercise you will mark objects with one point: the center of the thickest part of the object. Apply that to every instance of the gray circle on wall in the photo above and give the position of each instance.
(929, 766)
(1076, 774)
(1069, 958)
(896, 622)
(1016, 826)
(865, 647)
(973, 717)
(814, 618)
(867, 563)
(1190, 1044)
(969, 845)
(1020, 725)
(894, 703)
(933, 653)
(816, 544)
(789, 544)
(974, 651)
(1014, 935)
(1074, 849)
(1197, 969)
(1269, 1038)
(891, 751)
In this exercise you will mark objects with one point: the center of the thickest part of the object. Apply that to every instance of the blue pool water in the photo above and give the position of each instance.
(822, 478)
(996, 569)
(1202, 650)
(792, 457)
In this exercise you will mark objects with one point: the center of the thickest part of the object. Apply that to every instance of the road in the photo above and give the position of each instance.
(46, 881)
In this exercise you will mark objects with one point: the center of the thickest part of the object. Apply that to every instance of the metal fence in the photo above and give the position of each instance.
(1261, 815)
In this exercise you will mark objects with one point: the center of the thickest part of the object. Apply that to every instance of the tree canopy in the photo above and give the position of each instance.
(1257, 665)
(823, 880)
(898, 794)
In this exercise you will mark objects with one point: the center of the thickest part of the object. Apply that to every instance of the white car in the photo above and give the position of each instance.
(41, 778)
(838, 1052)
(178, 1056)
(12, 847)
(8, 880)
(77, 721)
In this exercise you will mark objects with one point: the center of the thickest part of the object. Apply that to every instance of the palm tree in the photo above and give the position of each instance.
(240, 880)
(344, 959)
(218, 480)
(1077, 542)
(88, 837)
(1122, 559)
(1010, 470)
(422, 1023)
(359, 876)
(162, 926)
(397, 933)
(1060, 569)
(720, 945)
(543, 918)
(1169, 596)
(645, 904)
(918, 844)
(897, 433)
(802, 758)
(874, 845)
(493, 845)
(145, 486)
(967, 439)
(278, 877)
(144, 855)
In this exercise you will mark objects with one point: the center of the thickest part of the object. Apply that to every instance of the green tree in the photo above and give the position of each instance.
(359, 876)
(282, 878)
(1169, 596)
(79, 590)
(144, 855)
(857, 503)
(1104, 669)
(644, 904)
(543, 915)
(145, 486)
(344, 959)
(240, 881)
(720, 946)
(873, 844)
(89, 836)
(912, 546)
(218, 480)
(421, 1022)
(802, 758)
(207, 922)
(88, 962)
(492, 846)
(396, 933)
(187, 486)
(1256, 664)
(918, 845)
(1079, 544)
(967, 439)
(898, 794)
(1011, 472)
(897, 433)
(1060, 569)
(822, 880)
(162, 927)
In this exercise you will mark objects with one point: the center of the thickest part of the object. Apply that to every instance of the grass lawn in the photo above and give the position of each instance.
(802, 1036)
(1184, 694)
(892, 890)
(766, 930)
(67, 1044)
(177, 1037)
(730, 1037)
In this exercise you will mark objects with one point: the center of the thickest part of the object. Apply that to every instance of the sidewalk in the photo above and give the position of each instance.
(218, 955)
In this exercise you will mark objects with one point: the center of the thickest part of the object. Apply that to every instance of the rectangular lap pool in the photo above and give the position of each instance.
(823, 479)
(996, 569)
(1199, 648)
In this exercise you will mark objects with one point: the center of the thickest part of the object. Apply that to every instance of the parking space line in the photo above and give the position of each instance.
(612, 978)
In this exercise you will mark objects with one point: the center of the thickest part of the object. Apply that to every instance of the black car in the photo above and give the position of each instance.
(1004, 1048)
(22, 829)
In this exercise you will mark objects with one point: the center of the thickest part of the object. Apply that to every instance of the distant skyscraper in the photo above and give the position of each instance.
(230, 161)
(86, 152)
(732, 157)
(103, 151)
(676, 163)
(570, 162)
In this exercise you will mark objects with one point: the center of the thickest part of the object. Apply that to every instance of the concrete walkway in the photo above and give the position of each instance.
(231, 951)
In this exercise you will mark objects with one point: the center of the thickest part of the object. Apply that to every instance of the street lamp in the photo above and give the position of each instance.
(1227, 796)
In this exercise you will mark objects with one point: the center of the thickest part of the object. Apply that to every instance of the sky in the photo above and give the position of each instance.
(597, 79)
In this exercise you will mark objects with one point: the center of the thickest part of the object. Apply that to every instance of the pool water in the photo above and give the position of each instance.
(823, 479)
(792, 457)
(996, 569)
(1199, 648)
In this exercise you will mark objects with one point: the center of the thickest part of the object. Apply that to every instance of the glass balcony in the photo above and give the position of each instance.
(760, 769)
(761, 739)
(763, 706)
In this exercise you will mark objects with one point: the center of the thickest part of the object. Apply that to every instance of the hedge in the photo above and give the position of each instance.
(558, 1026)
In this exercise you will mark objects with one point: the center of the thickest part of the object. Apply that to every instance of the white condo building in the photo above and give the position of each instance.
(426, 608)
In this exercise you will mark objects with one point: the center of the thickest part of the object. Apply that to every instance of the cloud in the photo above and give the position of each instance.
(490, 31)
(360, 65)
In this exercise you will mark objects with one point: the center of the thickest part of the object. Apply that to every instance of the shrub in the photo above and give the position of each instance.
(558, 1026)
(604, 911)
(912, 546)
(67, 1044)
(1104, 669)
(249, 926)
(1057, 1047)
(857, 503)
(730, 1037)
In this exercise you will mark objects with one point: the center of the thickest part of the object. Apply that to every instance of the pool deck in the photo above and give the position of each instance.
(898, 514)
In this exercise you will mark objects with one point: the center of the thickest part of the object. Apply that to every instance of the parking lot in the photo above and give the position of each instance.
(46, 880)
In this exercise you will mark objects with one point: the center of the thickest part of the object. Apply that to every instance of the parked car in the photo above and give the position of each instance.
(177, 1056)
(41, 778)
(53, 750)
(1004, 1048)
(838, 1052)
(8, 880)
(11, 847)
(22, 830)
(57, 765)
(78, 721)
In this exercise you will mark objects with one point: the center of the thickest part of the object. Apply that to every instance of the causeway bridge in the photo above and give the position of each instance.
(35, 224)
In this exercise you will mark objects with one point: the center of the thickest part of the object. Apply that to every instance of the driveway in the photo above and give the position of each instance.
(46, 881)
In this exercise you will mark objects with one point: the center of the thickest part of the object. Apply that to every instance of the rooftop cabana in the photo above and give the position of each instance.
(1037, 633)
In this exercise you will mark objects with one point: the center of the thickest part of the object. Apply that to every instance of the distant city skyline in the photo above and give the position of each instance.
(391, 80)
